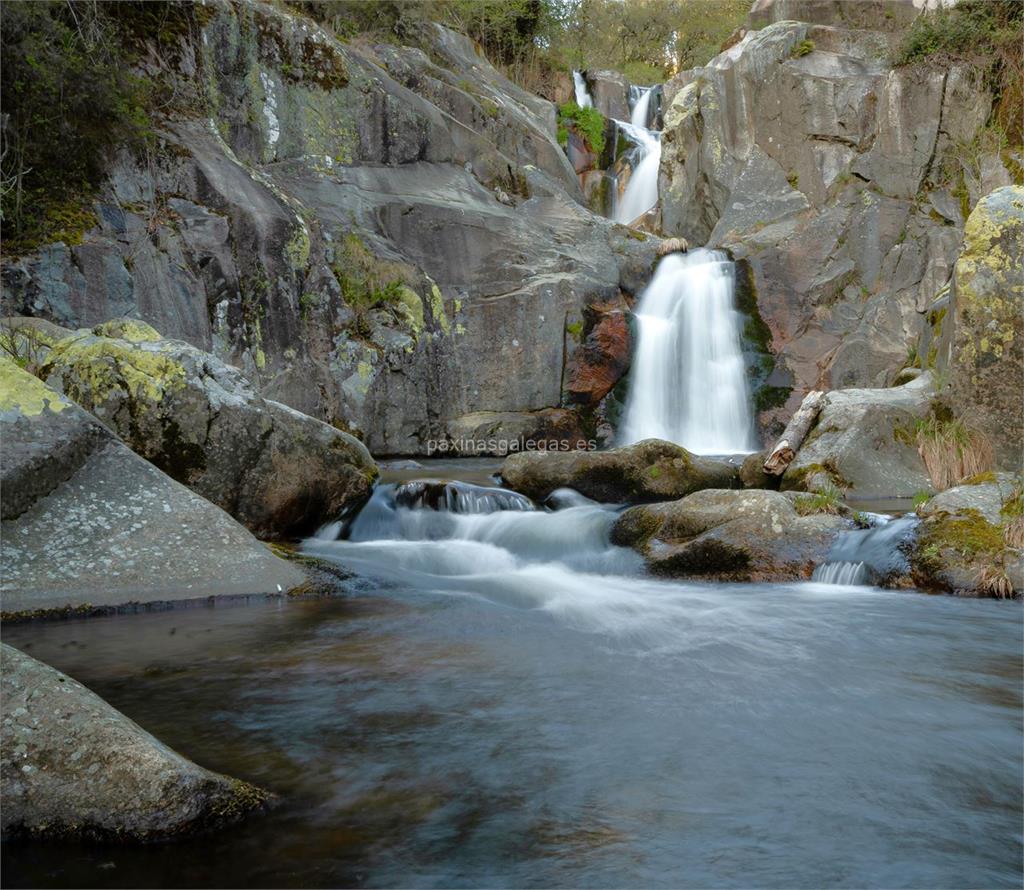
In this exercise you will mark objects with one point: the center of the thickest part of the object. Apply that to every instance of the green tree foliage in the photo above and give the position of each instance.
(588, 122)
(69, 97)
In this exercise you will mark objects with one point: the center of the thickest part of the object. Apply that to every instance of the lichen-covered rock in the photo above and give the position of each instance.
(729, 535)
(86, 521)
(971, 539)
(201, 422)
(73, 766)
(651, 470)
(864, 442)
(987, 367)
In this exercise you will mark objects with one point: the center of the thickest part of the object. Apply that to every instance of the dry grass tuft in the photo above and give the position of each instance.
(993, 581)
(952, 451)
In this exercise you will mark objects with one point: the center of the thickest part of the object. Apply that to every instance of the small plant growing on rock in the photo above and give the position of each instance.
(588, 122)
(803, 48)
(992, 580)
(921, 498)
(1012, 514)
(951, 450)
(826, 500)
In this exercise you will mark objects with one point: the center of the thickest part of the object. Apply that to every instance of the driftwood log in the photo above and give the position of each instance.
(781, 456)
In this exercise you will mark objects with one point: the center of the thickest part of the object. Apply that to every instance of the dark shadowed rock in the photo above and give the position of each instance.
(729, 535)
(73, 766)
(86, 521)
(752, 473)
(651, 470)
(201, 422)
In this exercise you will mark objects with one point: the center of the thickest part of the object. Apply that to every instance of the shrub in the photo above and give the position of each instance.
(588, 122)
(951, 450)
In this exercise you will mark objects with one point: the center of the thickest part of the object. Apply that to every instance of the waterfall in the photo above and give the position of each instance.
(869, 556)
(583, 99)
(642, 189)
(688, 382)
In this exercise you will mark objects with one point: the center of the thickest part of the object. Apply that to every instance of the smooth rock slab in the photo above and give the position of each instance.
(86, 521)
(72, 765)
(652, 470)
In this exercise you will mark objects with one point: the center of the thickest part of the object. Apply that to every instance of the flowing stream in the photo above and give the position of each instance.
(498, 697)
(688, 380)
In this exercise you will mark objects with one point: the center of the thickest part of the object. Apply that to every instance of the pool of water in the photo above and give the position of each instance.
(601, 732)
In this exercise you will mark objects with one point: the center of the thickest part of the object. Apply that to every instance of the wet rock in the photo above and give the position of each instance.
(729, 535)
(988, 340)
(752, 473)
(201, 422)
(86, 521)
(864, 442)
(651, 470)
(971, 539)
(498, 433)
(609, 91)
(600, 361)
(73, 766)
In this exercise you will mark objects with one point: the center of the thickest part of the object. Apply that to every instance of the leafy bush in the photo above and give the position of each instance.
(588, 122)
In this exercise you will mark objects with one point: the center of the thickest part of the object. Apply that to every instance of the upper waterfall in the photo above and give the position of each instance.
(642, 189)
(688, 382)
(583, 99)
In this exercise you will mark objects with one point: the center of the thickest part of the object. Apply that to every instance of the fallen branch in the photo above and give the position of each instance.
(793, 436)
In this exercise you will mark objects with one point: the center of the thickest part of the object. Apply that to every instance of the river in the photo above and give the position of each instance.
(487, 705)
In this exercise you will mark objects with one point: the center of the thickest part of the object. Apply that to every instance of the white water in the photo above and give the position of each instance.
(868, 556)
(642, 189)
(688, 381)
(583, 99)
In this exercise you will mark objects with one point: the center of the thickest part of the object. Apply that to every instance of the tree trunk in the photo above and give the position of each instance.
(785, 449)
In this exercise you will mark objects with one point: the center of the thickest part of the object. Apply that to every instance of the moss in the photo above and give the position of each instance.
(413, 307)
(575, 330)
(29, 396)
(797, 478)
(437, 309)
(967, 533)
(935, 319)
(803, 48)
(768, 397)
(296, 251)
(980, 478)
(588, 122)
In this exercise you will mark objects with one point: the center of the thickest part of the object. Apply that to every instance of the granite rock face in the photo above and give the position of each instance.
(386, 238)
(87, 521)
(199, 420)
(73, 766)
(804, 151)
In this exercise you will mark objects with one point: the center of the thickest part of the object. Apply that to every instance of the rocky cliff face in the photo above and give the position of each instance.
(383, 237)
(804, 150)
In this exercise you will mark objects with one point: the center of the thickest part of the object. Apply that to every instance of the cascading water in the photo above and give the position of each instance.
(583, 99)
(642, 189)
(871, 555)
(688, 382)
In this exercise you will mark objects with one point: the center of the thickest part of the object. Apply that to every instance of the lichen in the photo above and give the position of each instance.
(437, 309)
(130, 329)
(296, 251)
(29, 396)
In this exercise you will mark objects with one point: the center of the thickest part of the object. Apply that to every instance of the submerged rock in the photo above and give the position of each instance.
(729, 536)
(651, 470)
(201, 422)
(864, 442)
(987, 367)
(971, 539)
(73, 766)
(87, 521)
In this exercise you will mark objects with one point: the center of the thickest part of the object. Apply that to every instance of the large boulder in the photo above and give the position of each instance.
(73, 766)
(652, 470)
(87, 521)
(835, 174)
(971, 539)
(987, 367)
(609, 91)
(864, 442)
(730, 536)
(201, 422)
(601, 359)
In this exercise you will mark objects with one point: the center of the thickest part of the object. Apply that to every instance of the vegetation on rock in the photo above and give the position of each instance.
(588, 122)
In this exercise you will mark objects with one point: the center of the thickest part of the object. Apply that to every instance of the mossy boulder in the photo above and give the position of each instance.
(74, 767)
(87, 522)
(971, 537)
(729, 535)
(652, 470)
(987, 364)
(199, 420)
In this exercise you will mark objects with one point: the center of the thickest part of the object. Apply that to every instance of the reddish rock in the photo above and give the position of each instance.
(600, 361)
